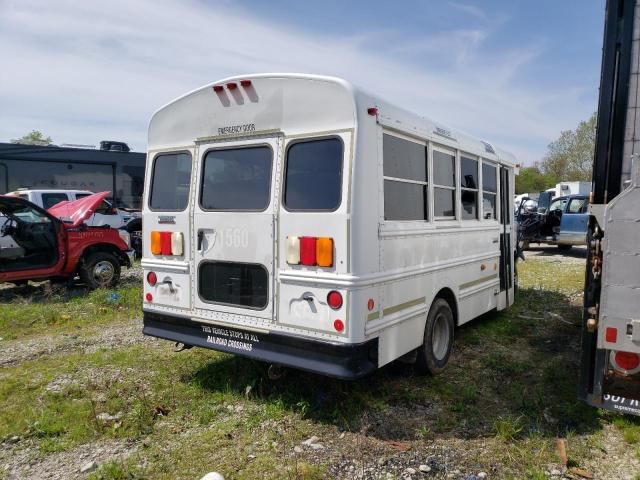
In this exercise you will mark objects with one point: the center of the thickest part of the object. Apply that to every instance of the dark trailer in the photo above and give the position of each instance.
(113, 168)
(610, 363)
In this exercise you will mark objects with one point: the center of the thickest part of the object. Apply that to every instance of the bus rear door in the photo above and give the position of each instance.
(234, 228)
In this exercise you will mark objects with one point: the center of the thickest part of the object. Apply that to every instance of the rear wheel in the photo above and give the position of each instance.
(434, 353)
(100, 270)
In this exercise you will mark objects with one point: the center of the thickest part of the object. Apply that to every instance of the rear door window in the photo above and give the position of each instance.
(51, 199)
(170, 182)
(313, 175)
(237, 179)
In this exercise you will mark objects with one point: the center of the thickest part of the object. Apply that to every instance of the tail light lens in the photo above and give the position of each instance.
(334, 299)
(611, 335)
(627, 361)
(176, 243)
(148, 297)
(308, 251)
(165, 243)
(293, 250)
(156, 249)
(338, 325)
(324, 252)
(152, 278)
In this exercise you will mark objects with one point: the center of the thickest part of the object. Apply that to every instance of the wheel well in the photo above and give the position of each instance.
(448, 295)
(100, 247)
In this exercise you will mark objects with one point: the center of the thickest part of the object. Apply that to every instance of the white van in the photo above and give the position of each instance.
(298, 220)
(105, 215)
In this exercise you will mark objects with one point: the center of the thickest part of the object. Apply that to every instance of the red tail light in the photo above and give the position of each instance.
(627, 360)
(611, 335)
(165, 243)
(338, 325)
(334, 299)
(308, 250)
(152, 278)
(148, 297)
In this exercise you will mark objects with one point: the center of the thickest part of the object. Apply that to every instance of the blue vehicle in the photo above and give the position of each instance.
(561, 221)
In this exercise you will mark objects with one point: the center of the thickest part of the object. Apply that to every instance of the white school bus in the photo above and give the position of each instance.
(298, 220)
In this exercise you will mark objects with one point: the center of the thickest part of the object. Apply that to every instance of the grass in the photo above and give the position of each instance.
(42, 310)
(509, 391)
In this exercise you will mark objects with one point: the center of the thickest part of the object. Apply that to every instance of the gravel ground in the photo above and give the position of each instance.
(349, 455)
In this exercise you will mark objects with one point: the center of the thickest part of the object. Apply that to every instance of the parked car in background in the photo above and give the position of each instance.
(105, 214)
(559, 221)
(36, 244)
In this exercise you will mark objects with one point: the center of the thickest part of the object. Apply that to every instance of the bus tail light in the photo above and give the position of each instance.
(338, 325)
(308, 251)
(324, 252)
(148, 297)
(156, 249)
(152, 278)
(334, 299)
(611, 335)
(293, 250)
(167, 243)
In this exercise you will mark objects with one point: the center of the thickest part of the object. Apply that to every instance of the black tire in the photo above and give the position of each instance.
(564, 248)
(134, 225)
(100, 270)
(433, 357)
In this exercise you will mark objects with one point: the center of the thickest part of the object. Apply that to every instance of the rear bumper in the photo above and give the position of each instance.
(345, 361)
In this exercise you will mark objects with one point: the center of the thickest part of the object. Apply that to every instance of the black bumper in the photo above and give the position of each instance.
(345, 361)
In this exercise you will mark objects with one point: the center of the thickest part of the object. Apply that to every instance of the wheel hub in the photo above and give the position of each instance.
(103, 272)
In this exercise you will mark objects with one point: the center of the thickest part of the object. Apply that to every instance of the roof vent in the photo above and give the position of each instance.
(111, 146)
(488, 147)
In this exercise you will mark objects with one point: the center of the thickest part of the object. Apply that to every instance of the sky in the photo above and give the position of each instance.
(515, 73)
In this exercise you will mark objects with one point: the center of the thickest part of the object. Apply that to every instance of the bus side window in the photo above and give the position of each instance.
(405, 179)
(489, 191)
(444, 185)
(469, 186)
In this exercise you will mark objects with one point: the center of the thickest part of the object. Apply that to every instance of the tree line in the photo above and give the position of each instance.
(568, 158)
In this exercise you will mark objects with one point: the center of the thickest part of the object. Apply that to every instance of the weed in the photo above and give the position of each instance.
(508, 428)
(116, 471)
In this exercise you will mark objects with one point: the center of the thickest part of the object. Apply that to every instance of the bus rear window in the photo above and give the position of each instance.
(242, 284)
(170, 182)
(236, 179)
(313, 176)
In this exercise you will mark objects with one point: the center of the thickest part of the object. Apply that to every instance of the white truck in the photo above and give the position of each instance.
(106, 214)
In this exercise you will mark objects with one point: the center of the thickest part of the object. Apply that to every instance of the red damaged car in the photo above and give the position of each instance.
(57, 244)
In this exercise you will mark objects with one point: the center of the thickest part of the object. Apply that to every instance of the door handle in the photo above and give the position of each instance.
(200, 239)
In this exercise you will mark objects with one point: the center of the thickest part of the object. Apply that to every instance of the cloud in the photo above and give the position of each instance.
(472, 10)
(86, 71)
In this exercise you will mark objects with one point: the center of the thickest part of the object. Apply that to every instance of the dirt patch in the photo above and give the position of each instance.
(23, 460)
(112, 336)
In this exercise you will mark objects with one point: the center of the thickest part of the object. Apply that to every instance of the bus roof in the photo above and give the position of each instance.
(295, 104)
